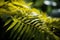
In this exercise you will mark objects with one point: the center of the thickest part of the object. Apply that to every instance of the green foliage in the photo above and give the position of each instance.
(25, 23)
(1, 2)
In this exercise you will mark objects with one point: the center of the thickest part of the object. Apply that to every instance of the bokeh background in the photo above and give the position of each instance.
(51, 7)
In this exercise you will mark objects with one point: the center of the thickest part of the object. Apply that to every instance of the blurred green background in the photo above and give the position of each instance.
(51, 7)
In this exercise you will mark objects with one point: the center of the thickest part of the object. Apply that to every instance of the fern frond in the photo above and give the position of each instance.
(27, 23)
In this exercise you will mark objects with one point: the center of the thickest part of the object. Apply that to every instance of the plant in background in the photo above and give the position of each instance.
(21, 22)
